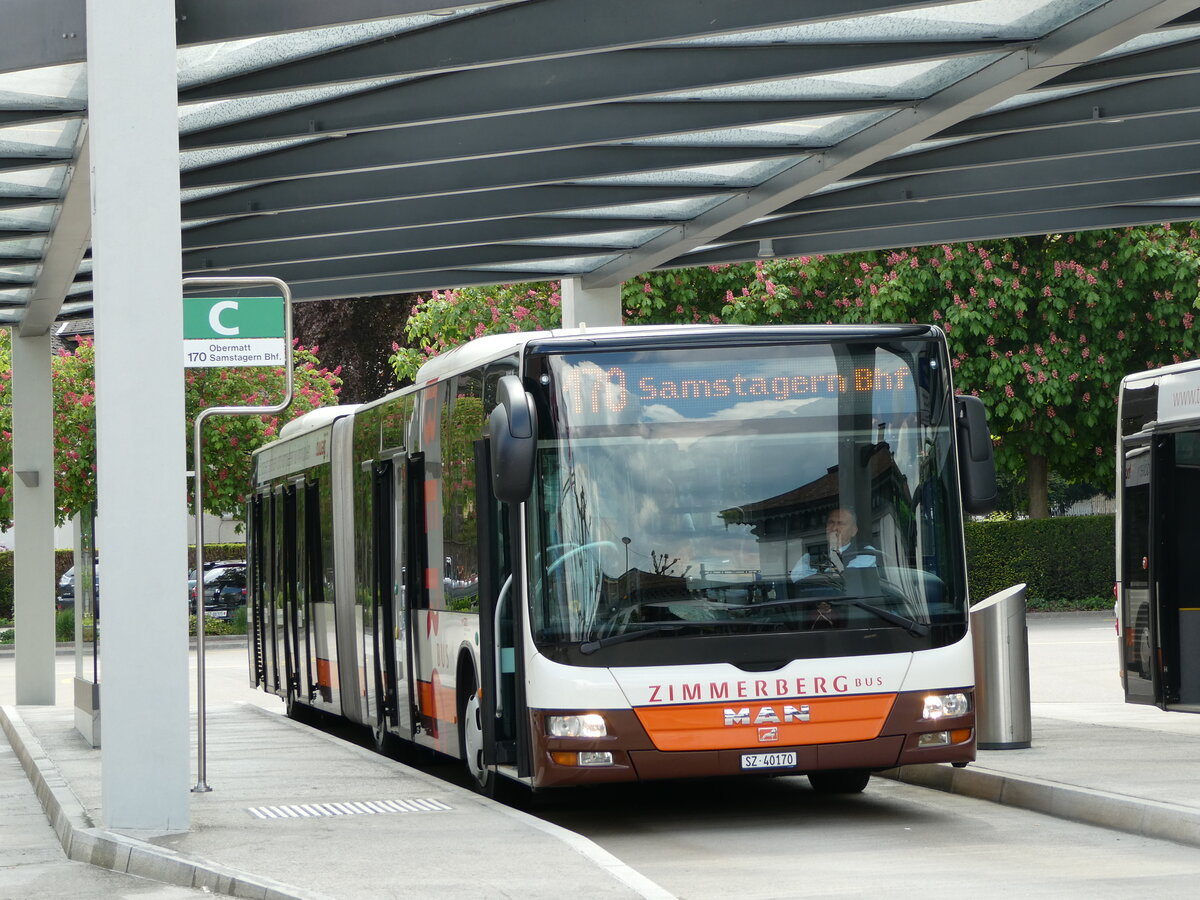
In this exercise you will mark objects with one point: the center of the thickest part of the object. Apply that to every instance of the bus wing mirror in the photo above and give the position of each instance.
(976, 464)
(513, 430)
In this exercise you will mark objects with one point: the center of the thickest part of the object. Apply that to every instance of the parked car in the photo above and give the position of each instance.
(224, 589)
(64, 594)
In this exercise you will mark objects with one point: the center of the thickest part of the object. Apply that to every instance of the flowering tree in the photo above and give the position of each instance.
(227, 441)
(1041, 328)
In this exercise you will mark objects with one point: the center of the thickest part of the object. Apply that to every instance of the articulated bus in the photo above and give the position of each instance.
(592, 556)
(1158, 568)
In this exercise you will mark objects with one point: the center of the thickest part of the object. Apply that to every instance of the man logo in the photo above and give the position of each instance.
(766, 735)
(766, 715)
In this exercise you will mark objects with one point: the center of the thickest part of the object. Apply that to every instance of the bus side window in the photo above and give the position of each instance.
(462, 424)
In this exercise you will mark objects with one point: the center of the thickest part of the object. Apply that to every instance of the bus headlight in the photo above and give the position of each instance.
(587, 725)
(938, 706)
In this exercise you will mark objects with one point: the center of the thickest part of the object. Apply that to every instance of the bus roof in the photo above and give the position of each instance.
(1188, 365)
(491, 347)
(315, 419)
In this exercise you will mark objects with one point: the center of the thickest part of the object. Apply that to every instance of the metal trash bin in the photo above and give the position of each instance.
(1001, 643)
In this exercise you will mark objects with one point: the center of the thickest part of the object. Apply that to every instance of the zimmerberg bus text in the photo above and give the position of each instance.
(775, 687)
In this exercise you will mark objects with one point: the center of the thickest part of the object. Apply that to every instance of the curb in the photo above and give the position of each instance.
(83, 842)
(1118, 812)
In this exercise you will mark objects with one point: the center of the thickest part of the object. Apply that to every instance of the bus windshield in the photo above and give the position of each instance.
(797, 498)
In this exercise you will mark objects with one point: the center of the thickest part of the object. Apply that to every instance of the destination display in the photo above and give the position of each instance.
(605, 390)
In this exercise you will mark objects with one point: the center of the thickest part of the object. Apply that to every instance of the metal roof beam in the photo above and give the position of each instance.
(1139, 99)
(1084, 38)
(433, 211)
(1173, 59)
(378, 285)
(526, 31)
(976, 228)
(433, 237)
(951, 209)
(1079, 172)
(69, 237)
(609, 77)
(464, 176)
(13, 117)
(522, 133)
(40, 33)
(412, 262)
(1101, 136)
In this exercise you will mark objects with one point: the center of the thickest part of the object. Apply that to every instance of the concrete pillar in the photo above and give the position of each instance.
(594, 306)
(33, 515)
(140, 435)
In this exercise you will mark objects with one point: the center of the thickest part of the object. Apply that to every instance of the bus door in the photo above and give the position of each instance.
(1176, 471)
(505, 732)
(293, 589)
(257, 578)
(391, 688)
(1139, 657)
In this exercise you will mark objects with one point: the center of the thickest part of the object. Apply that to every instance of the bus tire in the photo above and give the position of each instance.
(470, 737)
(839, 781)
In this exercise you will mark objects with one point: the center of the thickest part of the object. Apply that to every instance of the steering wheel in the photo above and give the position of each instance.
(593, 545)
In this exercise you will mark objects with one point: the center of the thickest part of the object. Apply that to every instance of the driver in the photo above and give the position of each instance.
(846, 551)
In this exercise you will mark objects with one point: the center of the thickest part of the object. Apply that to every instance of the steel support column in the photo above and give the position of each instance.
(141, 439)
(33, 513)
(591, 306)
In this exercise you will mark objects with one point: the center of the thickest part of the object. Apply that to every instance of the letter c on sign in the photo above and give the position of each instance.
(214, 317)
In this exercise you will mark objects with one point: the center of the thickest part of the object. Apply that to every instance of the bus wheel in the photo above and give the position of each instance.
(839, 781)
(470, 738)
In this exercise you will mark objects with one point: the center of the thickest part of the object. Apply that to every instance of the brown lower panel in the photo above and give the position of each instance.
(636, 759)
(880, 753)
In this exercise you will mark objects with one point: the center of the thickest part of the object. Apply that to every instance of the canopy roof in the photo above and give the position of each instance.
(370, 147)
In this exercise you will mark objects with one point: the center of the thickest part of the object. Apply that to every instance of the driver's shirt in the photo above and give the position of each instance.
(851, 558)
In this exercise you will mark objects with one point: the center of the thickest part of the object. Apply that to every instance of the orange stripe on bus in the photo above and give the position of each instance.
(437, 701)
(703, 726)
(325, 674)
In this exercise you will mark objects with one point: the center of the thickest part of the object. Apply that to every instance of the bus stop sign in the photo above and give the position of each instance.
(233, 331)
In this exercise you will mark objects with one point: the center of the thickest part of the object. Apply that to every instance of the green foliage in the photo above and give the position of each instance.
(64, 627)
(1041, 328)
(212, 627)
(227, 441)
(1065, 560)
(448, 318)
(218, 552)
(6, 584)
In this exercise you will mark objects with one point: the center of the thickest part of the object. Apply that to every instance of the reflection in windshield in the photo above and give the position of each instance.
(711, 514)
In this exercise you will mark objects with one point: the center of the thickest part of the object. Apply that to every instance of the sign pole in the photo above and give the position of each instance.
(198, 485)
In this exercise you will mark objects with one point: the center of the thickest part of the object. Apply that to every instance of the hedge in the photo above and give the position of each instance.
(1066, 561)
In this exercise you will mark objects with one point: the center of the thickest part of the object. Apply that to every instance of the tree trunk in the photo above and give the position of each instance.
(1036, 482)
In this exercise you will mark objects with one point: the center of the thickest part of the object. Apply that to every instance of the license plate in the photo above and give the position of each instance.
(217, 613)
(769, 760)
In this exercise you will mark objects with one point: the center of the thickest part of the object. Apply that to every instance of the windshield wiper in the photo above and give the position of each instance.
(589, 647)
(912, 626)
